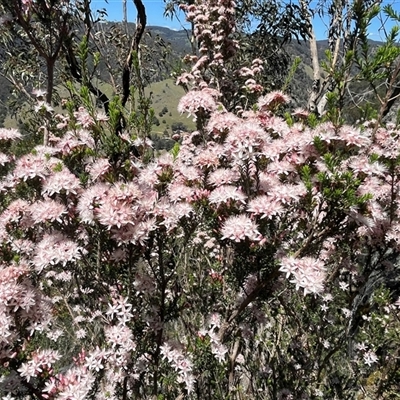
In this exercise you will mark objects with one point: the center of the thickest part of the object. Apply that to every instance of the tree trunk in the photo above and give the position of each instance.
(49, 93)
(315, 91)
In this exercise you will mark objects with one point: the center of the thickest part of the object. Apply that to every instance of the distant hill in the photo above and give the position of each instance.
(163, 52)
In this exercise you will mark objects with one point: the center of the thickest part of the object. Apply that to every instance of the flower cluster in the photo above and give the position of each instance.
(214, 31)
(251, 189)
(307, 273)
(181, 364)
(120, 256)
(22, 306)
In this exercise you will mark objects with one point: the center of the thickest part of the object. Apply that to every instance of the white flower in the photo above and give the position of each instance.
(370, 358)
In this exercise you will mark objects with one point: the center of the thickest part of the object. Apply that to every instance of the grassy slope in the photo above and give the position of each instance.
(164, 94)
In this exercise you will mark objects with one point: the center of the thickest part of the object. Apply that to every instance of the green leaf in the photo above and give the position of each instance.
(85, 95)
(96, 59)
(175, 150)
(58, 167)
(305, 173)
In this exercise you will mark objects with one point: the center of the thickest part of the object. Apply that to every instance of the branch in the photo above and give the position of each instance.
(392, 94)
(77, 74)
(27, 29)
(316, 87)
(140, 27)
(225, 328)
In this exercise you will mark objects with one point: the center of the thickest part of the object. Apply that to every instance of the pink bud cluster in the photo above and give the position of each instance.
(214, 32)
(214, 25)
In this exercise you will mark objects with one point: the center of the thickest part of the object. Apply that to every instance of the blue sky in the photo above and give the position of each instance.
(155, 10)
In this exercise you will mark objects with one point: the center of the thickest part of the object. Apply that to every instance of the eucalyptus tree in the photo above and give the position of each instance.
(354, 70)
(35, 32)
(41, 41)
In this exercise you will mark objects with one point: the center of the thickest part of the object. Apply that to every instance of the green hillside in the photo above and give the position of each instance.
(166, 96)
(163, 51)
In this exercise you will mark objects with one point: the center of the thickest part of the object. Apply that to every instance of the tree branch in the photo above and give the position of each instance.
(140, 27)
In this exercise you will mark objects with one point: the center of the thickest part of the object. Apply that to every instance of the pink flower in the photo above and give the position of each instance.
(9, 134)
(375, 186)
(84, 118)
(264, 206)
(184, 79)
(39, 93)
(214, 320)
(15, 211)
(194, 102)
(98, 168)
(308, 273)
(28, 370)
(271, 100)
(273, 150)
(41, 360)
(4, 159)
(167, 352)
(64, 119)
(178, 191)
(301, 113)
(240, 227)
(62, 181)
(283, 167)
(120, 336)
(56, 249)
(326, 132)
(202, 61)
(220, 123)
(189, 381)
(149, 175)
(172, 213)
(113, 206)
(68, 143)
(12, 273)
(285, 193)
(111, 213)
(180, 363)
(136, 234)
(219, 351)
(47, 210)
(361, 163)
(23, 246)
(245, 140)
(144, 143)
(208, 157)
(89, 200)
(354, 136)
(30, 166)
(223, 176)
(252, 86)
(245, 72)
(126, 192)
(43, 106)
(86, 138)
(224, 193)
(189, 173)
(101, 117)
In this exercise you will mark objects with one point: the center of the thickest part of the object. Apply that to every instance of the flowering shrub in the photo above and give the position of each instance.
(258, 261)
